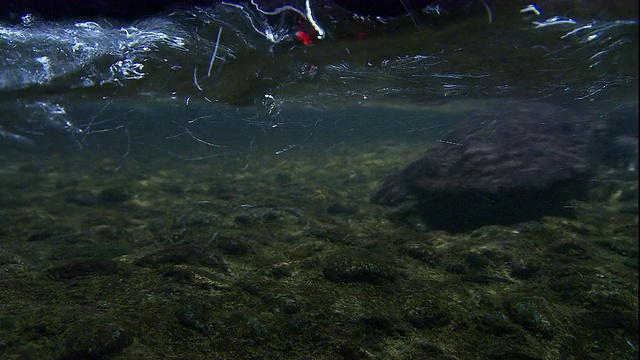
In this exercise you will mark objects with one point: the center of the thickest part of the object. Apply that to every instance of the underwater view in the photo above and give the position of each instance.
(319, 179)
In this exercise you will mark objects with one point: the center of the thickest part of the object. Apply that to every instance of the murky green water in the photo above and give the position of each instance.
(147, 219)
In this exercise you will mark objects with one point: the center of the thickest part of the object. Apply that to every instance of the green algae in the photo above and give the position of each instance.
(288, 258)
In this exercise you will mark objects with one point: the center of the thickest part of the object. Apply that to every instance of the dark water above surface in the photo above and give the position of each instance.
(201, 184)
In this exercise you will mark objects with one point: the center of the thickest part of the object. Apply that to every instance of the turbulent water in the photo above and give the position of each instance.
(237, 64)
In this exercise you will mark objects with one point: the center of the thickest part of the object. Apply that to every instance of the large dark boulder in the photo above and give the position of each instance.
(500, 167)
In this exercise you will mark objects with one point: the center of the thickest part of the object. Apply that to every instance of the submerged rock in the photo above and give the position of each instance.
(500, 168)
(100, 338)
(357, 268)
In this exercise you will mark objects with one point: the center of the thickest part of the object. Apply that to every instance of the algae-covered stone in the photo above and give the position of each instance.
(197, 277)
(196, 316)
(80, 198)
(230, 245)
(87, 267)
(430, 313)
(191, 254)
(497, 323)
(533, 314)
(98, 339)
(426, 253)
(572, 284)
(281, 304)
(116, 194)
(7, 257)
(343, 267)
